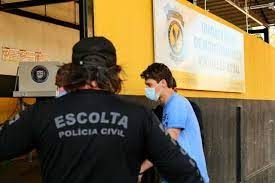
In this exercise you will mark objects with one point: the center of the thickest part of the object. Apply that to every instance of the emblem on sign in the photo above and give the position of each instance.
(39, 74)
(175, 34)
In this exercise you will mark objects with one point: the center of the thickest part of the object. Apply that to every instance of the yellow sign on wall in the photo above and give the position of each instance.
(203, 53)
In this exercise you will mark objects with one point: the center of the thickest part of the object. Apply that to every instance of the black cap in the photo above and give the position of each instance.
(94, 46)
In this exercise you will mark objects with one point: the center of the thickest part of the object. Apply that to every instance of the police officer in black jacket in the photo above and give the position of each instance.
(92, 135)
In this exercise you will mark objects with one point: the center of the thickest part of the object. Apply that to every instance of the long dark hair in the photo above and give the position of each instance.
(93, 68)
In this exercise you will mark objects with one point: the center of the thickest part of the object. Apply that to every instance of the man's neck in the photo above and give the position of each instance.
(89, 87)
(166, 95)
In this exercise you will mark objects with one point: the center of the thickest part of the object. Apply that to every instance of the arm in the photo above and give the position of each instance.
(174, 163)
(16, 136)
(176, 118)
(174, 132)
(145, 166)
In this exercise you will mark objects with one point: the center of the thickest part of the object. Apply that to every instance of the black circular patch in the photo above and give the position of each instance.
(39, 74)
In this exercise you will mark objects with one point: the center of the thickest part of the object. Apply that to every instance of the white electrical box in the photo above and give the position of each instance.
(36, 79)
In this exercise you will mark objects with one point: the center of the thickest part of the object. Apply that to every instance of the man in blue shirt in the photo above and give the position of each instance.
(178, 117)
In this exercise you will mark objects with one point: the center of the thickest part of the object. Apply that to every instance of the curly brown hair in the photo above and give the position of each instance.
(159, 71)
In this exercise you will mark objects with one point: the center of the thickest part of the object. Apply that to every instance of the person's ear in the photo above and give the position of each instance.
(163, 83)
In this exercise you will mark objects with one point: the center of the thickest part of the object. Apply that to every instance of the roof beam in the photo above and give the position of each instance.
(43, 18)
(251, 15)
(31, 3)
(262, 12)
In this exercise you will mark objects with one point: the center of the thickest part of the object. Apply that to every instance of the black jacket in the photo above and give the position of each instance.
(94, 136)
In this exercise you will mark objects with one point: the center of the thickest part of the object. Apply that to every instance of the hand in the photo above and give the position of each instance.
(139, 178)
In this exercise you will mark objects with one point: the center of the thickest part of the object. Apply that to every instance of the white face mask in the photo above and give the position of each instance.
(151, 93)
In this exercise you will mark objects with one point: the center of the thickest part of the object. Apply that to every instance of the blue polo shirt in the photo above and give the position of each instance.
(178, 113)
